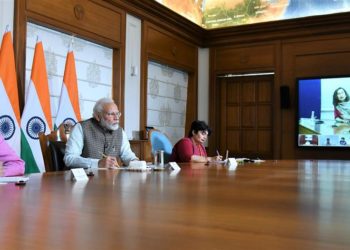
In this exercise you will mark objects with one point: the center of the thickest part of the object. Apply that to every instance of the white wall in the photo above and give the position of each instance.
(132, 77)
(167, 100)
(93, 64)
(6, 16)
(203, 84)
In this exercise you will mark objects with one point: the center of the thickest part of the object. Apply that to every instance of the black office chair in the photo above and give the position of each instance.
(57, 150)
(53, 150)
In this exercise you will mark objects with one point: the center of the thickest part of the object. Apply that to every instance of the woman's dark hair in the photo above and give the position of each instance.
(335, 96)
(199, 126)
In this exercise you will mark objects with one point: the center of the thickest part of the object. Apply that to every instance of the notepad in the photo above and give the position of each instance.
(13, 179)
(218, 162)
(137, 166)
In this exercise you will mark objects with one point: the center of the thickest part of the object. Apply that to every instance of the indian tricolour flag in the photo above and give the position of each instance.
(36, 115)
(68, 109)
(9, 105)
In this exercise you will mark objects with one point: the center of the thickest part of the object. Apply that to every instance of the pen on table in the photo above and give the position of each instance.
(219, 157)
(105, 156)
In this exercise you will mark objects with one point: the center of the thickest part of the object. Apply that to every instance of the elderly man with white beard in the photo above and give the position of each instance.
(99, 141)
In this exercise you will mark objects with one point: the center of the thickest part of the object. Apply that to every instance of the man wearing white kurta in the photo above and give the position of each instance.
(99, 141)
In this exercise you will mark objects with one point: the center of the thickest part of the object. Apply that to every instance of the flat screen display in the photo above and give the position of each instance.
(323, 111)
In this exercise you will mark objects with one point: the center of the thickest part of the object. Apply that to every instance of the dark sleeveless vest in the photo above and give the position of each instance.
(98, 140)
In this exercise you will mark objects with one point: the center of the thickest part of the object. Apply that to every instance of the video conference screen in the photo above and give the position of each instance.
(324, 111)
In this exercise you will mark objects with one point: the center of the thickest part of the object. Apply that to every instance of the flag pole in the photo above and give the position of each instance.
(71, 43)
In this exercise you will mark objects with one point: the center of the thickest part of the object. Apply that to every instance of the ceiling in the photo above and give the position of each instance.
(212, 14)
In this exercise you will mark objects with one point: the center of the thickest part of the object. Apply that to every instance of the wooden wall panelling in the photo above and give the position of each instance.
(316, 56)
(279, 30)
(243, 58)
(143, 85)
(265, 110)
(142, 149)
(301, 47)
(222, 119)
(118, 89)
(90, 16)
(246, 116)
(19, 41)
(265, 138)
(319, 54)
(192, 100)
(248, 120)
(276, 110)
(161, 46)
(251, 58)
(215, 107)
(310, 64)
(309, 35)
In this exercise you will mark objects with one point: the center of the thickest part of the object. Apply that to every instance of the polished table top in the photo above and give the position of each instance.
(270, 205)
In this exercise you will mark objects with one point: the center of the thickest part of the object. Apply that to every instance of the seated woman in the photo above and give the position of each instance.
(10, 163)
(341, 102)
(191, 148)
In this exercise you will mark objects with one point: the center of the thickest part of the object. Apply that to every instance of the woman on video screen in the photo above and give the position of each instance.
(341, 102)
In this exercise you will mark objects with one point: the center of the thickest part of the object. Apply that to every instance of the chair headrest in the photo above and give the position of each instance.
(160, 141)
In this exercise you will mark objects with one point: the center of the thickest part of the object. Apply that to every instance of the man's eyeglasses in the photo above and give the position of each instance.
(117, 114)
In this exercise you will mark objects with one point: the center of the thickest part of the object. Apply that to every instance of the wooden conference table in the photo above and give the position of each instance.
(270, 205)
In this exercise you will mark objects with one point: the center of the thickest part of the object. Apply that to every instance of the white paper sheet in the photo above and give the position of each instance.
(13, 179)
